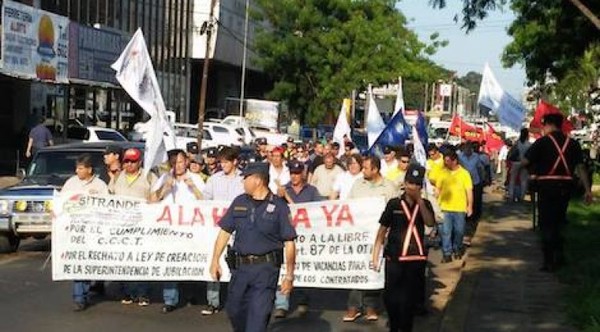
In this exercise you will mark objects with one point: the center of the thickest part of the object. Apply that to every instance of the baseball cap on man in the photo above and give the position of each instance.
(192, 147)
(132, 154)
(261, 141)
(415, 174)
(387, 149)
(296, 166)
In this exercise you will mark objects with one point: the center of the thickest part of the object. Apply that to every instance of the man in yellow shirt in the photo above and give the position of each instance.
(455, 189)
(396, 174)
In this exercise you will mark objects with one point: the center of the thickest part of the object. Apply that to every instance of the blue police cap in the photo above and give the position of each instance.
(296, 166)
(256, 168)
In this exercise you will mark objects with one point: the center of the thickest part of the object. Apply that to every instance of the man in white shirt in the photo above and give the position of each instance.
(179, 186)
(279, 173)
(325, 175)
(83, 182)
(225, 185)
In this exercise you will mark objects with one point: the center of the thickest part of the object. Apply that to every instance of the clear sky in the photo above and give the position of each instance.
(466, 52)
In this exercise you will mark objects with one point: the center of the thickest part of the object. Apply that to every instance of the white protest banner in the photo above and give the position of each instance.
(117, 238)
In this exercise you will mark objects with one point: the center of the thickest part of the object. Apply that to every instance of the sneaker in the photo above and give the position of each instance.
(446, 259)
(77, 307)
(351, 315)
(143, 302)
(127, 300)
(372, 315)
(167, 308)
(302, 309)
(209, 310)
(280, 313)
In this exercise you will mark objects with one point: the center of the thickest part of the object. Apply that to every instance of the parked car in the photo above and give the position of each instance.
(225, 134)
(186, 133)
(25, 208)
(93, 134)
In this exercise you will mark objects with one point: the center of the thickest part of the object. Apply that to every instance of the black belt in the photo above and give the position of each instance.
(256, 259)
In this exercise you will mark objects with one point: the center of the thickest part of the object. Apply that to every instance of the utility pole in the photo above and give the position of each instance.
(207, 28)
(243, 83)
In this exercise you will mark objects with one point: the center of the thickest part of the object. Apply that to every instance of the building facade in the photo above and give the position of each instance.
(57, 57)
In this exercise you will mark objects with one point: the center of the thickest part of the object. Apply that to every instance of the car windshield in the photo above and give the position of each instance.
(61, 163)
(107, 135)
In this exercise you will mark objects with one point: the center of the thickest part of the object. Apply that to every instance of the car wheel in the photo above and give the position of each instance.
(8, 243)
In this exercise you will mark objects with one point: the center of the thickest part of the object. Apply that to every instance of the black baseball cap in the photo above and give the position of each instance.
(261, 141)
(387, 149)
(211, 152)
(415, 174)
(296, 166)
(192, 147)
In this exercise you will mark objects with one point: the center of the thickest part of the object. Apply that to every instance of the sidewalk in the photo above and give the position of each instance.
(501, 288)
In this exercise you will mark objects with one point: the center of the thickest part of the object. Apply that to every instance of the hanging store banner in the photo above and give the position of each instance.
(35, 43)
(93, 51)
(118, 238)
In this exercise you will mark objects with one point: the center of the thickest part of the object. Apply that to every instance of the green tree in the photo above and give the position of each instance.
(471, 81)
(318, 51)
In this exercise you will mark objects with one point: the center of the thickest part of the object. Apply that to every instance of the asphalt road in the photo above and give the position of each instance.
(31, 301)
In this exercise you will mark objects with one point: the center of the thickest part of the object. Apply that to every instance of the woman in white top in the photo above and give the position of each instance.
(343, 182)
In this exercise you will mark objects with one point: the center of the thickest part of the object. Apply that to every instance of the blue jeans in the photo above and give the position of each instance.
(212, 293)
(283, 301)
(453, 231)
(171, 293)
(81, 291)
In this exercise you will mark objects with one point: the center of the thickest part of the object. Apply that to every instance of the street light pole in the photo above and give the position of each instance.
(202, 106)
(243, 83)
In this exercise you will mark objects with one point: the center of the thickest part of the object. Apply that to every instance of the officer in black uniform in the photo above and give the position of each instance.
(263, 234)
(555, 160)
(403, 221)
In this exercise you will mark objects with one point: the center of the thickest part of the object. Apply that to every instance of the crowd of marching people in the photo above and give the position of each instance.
(300, 173)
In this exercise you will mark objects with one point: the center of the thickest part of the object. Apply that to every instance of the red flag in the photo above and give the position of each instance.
(465, 130)
(493, 141)
(543, 109)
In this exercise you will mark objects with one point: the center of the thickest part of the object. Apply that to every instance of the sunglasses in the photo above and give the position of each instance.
(404, 161)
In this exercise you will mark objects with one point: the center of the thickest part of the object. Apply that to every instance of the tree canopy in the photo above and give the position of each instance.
(556, 41)
(318, 51)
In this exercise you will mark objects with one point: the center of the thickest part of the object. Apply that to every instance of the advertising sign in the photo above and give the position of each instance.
(93, 51)
(35, 43)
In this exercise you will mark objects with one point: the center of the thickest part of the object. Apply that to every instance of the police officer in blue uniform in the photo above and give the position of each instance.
(403, 223)
(263, 235)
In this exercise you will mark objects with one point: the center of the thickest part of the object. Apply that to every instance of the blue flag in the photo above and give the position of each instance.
(421, 126)
(396, 132)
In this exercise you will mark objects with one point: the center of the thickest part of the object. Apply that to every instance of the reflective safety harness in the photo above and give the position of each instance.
(411, 232)
(561, 158)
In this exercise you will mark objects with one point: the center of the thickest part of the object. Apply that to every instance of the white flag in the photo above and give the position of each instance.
(342, 128)
(421, 157)
(375, 124)
(399, 105)
(510, 111)
(137, 77)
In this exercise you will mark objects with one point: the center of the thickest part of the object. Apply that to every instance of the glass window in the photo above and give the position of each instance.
(107, 135)
(219, 129)
(79, 133)
(62, 163)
